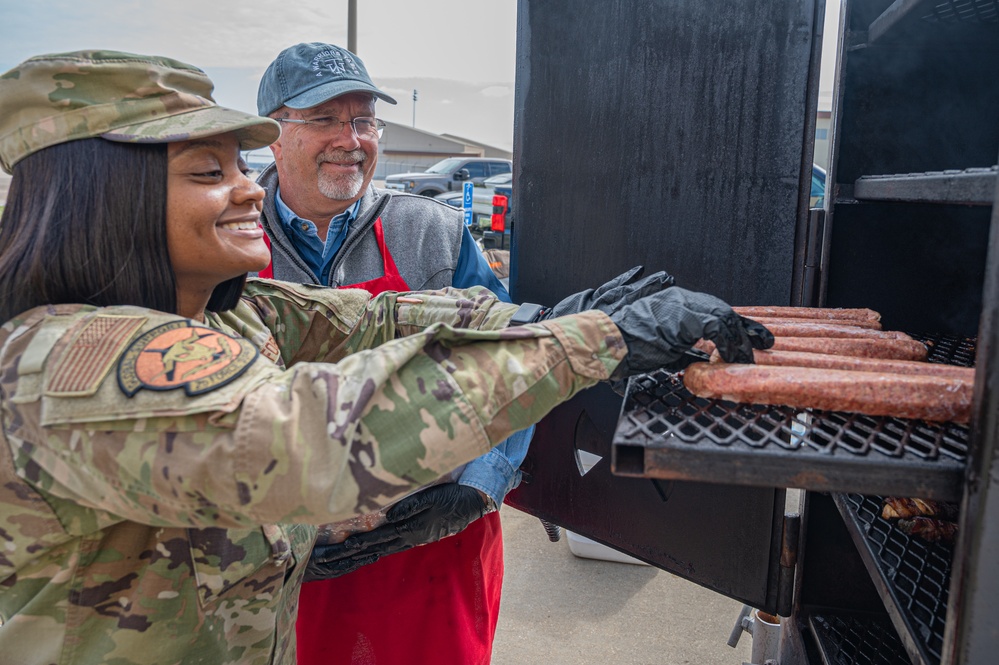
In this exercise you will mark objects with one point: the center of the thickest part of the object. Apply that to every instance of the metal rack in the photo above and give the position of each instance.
(974, 186)
(665, 432)
(854, 640)
(911, 575)
(936, 11)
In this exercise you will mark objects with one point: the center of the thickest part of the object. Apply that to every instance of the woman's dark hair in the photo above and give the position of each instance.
(85, 222)
(226, 295)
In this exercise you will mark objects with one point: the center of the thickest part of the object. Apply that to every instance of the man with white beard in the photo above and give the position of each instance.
(327, 225)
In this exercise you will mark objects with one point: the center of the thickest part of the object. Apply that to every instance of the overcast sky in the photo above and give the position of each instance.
(459, 54)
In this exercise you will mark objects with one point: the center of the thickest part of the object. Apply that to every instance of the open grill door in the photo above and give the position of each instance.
(724, 537)
(675, 134)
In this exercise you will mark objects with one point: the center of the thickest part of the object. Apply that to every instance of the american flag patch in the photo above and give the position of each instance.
(89, 357)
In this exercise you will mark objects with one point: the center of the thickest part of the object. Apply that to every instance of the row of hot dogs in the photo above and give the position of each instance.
(838, 360)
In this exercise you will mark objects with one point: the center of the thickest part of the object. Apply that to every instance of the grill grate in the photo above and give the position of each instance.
(964, 11)
(665, 408)
(666, 432)
(914, 573)
(851, 640)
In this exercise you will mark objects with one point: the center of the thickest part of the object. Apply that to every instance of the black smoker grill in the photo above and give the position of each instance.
(678, 135)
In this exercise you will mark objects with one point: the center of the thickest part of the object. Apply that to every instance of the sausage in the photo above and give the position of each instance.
(816, 329)
(768, 320)
(829, 361)
(858, 314)
(897, 349)
(873, 393)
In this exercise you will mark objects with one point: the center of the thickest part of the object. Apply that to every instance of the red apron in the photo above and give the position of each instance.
(268, 272)
(436, 603)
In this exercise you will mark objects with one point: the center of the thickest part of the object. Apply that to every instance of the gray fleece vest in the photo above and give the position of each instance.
(423, 235)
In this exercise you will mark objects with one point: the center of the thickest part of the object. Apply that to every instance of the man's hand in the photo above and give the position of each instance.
(424, 517)
(660, 328)
(623, 290)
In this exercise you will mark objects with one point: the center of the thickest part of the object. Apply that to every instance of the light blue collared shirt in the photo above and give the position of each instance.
(304, 235)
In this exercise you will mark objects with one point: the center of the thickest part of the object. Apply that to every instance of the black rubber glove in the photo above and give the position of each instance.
(623, 290)
(325, 565)
(659, 329)
(424, 517)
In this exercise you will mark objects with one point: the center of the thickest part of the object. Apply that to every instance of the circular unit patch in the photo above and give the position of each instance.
(179, 354)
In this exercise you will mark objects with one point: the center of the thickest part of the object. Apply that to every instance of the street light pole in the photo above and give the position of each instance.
(352, 26)
(414, 108)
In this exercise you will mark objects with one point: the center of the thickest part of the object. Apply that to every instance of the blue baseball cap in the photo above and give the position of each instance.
(306, 75)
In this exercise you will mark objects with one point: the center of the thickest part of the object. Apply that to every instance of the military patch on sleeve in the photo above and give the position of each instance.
(90, 355)
(178, 354)
(272, 352)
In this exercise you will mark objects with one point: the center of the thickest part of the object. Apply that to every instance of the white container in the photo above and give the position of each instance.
(585, 548)
(766, 637)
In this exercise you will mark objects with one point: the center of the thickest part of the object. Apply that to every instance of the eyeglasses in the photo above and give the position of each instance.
(364, 128)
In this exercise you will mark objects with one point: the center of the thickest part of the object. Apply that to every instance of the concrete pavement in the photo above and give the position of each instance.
(559, 609)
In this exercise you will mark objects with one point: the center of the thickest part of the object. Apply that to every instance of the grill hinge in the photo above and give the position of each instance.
(811, 282)
(788, 560)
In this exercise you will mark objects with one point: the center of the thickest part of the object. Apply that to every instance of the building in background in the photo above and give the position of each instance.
(405, 149)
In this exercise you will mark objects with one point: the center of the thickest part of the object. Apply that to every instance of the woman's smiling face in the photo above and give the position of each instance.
(213, 218)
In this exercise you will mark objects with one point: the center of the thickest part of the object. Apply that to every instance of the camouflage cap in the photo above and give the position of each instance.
(55, 98)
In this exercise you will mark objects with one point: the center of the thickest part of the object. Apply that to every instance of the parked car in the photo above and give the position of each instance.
(818, 196)
(482, 199)
(448, 175)
(258, 160)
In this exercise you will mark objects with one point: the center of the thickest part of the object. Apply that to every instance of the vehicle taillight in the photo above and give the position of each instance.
(499, 213)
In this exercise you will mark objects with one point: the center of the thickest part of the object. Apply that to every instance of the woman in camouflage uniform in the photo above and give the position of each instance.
(172, 433)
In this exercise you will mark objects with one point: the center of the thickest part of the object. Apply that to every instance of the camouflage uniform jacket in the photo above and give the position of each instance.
(167, 527)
